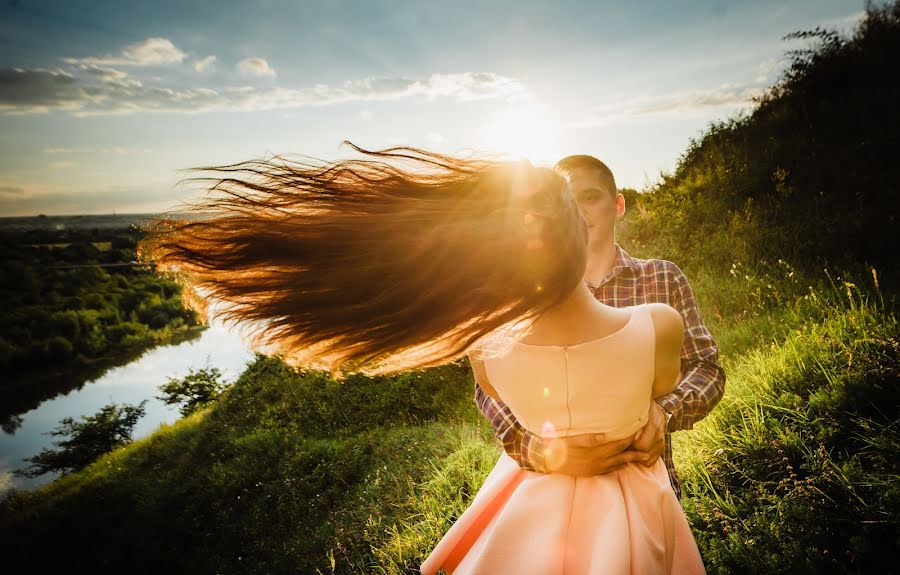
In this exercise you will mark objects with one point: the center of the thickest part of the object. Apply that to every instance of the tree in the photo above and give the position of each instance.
(88, 439)
(195, 390)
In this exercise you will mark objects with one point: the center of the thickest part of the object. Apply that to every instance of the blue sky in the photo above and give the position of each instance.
(103, 102)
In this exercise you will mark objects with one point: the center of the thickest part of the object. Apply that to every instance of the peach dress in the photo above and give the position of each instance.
(522, 522)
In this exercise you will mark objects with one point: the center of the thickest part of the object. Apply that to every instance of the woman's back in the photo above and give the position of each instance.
(601, 385)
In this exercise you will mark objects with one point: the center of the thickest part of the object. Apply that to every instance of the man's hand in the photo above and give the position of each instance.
(590, 454)
(651, 439)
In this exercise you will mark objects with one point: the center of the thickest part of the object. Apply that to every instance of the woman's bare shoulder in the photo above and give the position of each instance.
(668, 324)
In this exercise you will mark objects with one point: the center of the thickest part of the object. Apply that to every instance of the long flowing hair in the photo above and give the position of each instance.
(399, 260)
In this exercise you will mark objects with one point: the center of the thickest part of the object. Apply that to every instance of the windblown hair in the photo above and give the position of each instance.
(402, 259)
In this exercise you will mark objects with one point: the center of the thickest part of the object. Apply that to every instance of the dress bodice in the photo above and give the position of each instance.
(603, 385)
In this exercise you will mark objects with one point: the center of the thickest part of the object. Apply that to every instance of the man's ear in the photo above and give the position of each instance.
(620, 206)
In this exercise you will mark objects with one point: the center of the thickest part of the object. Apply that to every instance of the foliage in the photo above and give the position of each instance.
(56, 293)
(197, 389)
(67, 318)
(88, 439)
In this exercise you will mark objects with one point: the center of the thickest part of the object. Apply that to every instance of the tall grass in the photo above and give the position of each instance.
(796, 470)
(434, 504)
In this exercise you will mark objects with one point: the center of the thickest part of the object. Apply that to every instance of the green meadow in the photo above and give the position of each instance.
(782, 220)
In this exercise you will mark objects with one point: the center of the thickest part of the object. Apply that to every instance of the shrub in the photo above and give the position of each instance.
(197, 389)
(87, 440)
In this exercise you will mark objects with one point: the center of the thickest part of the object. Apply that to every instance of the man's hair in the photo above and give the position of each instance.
(583, 161)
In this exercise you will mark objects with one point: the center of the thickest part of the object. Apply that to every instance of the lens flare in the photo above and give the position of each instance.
(525, 131)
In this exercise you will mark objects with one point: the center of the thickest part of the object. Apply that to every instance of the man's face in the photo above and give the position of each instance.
(600, 204)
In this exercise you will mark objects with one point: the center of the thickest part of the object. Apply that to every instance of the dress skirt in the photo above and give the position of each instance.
(521, 522)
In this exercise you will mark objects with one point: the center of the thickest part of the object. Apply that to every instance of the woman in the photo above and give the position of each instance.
(405, 259)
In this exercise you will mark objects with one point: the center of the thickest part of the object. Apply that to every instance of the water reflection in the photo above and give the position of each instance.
(130, 383)
(28, 391)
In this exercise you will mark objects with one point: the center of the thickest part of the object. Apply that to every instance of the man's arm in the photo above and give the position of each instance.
(521, 445)
(582, 455)
(703, 382)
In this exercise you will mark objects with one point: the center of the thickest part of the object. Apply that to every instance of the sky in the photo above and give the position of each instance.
(104, 104)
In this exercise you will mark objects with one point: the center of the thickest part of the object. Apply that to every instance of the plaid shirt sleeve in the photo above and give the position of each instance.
(521, 445)
(703, 379)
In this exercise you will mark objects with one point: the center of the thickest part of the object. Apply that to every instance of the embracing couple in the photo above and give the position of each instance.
(587, 482)
(585, 359)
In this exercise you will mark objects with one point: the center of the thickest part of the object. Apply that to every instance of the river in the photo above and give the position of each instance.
(130, 383)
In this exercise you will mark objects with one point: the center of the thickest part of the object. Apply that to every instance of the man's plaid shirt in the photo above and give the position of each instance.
(633, 282)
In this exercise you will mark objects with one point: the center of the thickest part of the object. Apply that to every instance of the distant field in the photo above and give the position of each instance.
(108, 221)
(102, 246)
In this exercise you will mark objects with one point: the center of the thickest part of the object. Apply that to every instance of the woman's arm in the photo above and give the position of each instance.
(669, 328)
(481, 377)
(703, 382)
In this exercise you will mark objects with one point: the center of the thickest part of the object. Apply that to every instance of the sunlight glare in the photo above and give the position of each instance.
(525, 131)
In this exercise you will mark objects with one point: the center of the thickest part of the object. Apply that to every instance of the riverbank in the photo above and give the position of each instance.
(128, 383)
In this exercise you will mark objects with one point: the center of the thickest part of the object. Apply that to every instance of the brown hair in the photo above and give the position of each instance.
(400, 260)
(583, 161)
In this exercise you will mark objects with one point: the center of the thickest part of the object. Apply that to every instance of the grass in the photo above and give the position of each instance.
(434, 504)
(795, 471)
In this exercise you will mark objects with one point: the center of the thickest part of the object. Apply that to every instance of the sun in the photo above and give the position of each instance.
(524, 131)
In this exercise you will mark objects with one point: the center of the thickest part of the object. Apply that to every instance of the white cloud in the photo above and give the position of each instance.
(844, 23)
(104, 73)
(150, 52)
(39, 90)
(767, 70)
(120, 151)
(204, 64)
(114, 150)
(435, 138)
(725, 97)
(143, 198)
(61, 165)
(256, 67)
(93, 93)
(11, 190)
(153, 51)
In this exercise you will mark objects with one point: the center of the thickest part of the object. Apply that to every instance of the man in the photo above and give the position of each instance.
(619, 280)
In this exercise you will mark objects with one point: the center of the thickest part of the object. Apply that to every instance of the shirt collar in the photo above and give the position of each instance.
(624, 265)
